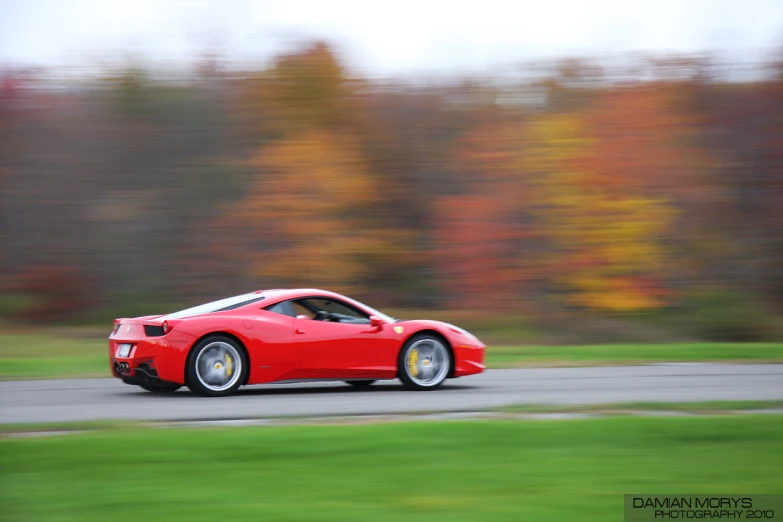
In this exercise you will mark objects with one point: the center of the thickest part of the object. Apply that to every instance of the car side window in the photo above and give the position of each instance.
(282, 308)
(300, 309)
(336, 311)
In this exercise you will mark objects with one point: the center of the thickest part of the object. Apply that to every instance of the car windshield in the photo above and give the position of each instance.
(375, 312)
(228, 303)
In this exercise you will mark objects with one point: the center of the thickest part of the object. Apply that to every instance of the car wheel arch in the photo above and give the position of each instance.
(439, 335)
(231, 336)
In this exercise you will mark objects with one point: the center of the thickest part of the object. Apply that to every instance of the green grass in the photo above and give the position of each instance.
(62, 353)
(470, 470)
(82, 353)
(42, 427)
(680, 407)
(609, 354)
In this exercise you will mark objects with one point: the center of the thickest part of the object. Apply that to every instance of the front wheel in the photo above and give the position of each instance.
(424, 362)
(216, 367)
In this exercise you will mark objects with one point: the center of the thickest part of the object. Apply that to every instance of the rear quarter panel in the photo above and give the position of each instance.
(266, 337)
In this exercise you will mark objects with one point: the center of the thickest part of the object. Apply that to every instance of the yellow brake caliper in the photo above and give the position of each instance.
(413, 359)
(230, 366)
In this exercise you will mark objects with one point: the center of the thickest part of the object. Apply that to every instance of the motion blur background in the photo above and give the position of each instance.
(578, 183)
(557, 172)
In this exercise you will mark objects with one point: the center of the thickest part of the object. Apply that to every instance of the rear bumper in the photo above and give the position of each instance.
(159, 358)
(469, 360)
(142, 374)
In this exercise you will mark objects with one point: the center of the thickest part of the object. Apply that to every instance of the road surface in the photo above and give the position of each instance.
(94, 399)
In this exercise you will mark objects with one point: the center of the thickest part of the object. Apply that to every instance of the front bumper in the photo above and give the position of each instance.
(469, 360)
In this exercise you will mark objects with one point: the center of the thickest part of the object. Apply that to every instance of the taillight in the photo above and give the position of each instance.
(166, 328)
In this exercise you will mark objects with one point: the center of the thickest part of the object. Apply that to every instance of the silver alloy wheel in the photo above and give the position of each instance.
(218, 366)
(427, 362)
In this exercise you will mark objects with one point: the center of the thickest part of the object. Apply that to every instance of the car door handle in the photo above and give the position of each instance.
(299, 331)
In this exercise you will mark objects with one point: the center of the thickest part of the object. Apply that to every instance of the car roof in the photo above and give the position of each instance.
(277, 295)
(283, 294)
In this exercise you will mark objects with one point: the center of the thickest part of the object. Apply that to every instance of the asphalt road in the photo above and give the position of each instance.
(93, 399)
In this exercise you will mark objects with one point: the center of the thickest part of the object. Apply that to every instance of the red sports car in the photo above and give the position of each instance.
(283, 336)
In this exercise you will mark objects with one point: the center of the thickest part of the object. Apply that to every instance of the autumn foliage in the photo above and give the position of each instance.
(592, 189)
(302, 215)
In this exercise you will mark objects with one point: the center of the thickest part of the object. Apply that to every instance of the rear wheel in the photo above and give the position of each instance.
(424, 362)
(216, 366)
(163, 387)
(360, 384)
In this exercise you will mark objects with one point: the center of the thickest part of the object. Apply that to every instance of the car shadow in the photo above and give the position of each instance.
(334, 389)
(304, 389)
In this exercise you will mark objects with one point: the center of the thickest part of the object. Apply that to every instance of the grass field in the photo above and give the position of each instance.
(609, 354)
(709, 407)
(51, 355)
(470, 470)
(68, 353)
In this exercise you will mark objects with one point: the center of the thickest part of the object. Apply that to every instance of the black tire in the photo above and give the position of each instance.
(441, 363)
(360, 384)
(197, 383)
(163, 387)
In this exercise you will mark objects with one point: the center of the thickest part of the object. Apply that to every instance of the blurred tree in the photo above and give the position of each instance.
(603, 186)
(743, 129)
(303, 221)
(168, 146)
(479, 232)
(303, 90)
(55, 293)
(609, 181)
(576, 204)
(477, 251)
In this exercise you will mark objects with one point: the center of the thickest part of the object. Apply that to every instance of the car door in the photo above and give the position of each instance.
(350, 348)
(272, 349)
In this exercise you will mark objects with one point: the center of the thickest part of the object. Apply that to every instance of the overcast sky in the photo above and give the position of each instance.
(383, 37)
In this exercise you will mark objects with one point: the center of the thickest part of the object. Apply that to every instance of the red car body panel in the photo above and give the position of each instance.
(280, 347)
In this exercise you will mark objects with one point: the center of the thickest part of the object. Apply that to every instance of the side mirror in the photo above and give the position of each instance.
(376, 321)
(302, 317)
